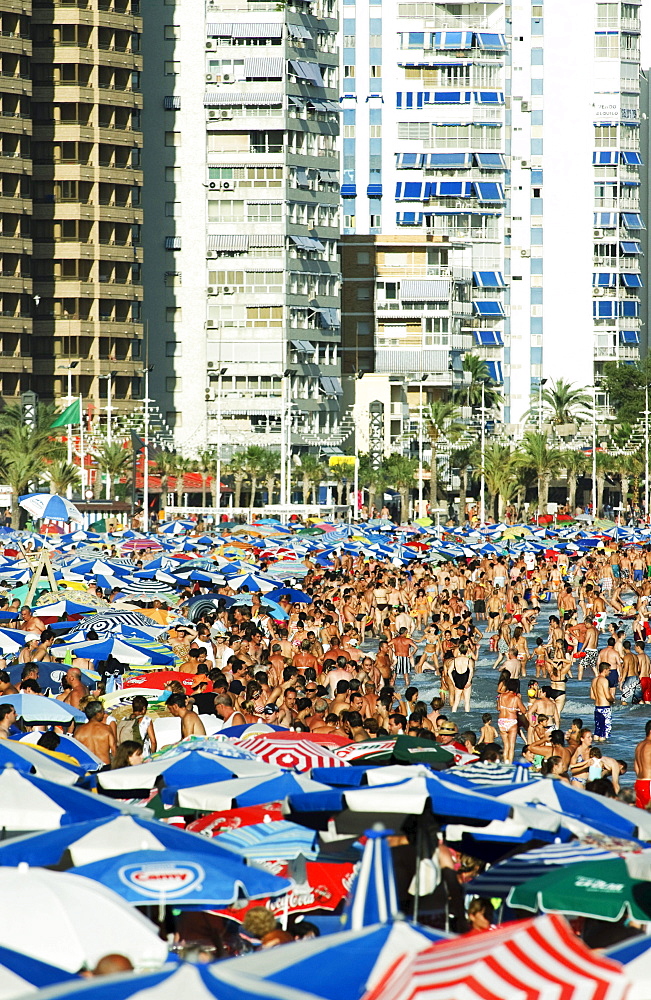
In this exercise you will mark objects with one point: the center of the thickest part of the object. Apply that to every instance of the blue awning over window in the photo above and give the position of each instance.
(451, 189)
(452, 39)
(348, 190)
(488, 279)
(604, 279)
(631, 280)
(447, 161)
(629, 337)
(605, 157)
(633, 159)
(632, 220)
(488, 191)
(491, 41)
(449, 97)
(605, 220)
(629, 309)
(409, 218)
(409, 161)
(490, 161)
(495, 371)
(374, 191)
(604, 310)
(412, 190)
(630, 246)
(489, 97)
(488, 338)
(487, 307)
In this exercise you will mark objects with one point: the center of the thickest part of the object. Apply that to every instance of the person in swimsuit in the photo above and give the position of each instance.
(461, 670)
(509, 705)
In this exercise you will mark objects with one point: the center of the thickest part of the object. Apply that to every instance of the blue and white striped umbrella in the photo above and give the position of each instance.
(20, 974)
(635, 955)
(373, 898)
(497, 880)
(28, 803)
(278, 840)
(49, 505)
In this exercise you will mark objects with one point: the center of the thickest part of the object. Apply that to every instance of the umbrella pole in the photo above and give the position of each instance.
(419, 851)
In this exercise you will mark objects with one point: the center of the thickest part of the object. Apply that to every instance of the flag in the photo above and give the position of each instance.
(71, 415)
(136, 443)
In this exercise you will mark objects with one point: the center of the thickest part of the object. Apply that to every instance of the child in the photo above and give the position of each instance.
(540, 658)
(488, 733)
(540, 730)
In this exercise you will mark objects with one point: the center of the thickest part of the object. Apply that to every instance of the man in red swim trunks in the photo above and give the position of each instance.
(643, 769)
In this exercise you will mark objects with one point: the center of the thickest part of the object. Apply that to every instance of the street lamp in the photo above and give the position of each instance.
(594, 450)
(646, 454)
(145, 471)
(420, 448)
(482, 479)
(285, 437)
(218, 472)
(109, 421)
(541, 383)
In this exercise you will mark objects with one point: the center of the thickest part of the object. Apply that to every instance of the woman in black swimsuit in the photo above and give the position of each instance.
(461, 671)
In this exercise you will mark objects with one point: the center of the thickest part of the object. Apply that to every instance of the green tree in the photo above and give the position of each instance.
(181, 466)
(255, 458)
(575, 463)
(400, 472)
(24, 451)
(536, 454)
(165, 467)
(114, 461)
(625, 386)
(442, 423)
(605, 465)
(566, 404)
(340, 475)
(498, 472)
(469, 394)
(270, 467)
(238, 470)
(311, 474)
(62, 475)
(371, 479)
(205, 466)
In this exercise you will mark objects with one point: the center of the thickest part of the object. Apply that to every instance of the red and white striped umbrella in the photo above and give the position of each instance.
(540, 959)
(298, 753)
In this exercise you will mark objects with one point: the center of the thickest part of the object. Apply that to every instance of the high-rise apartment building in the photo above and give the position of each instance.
(15, 200)
(242, 268)
(498, 143)
(87, 181)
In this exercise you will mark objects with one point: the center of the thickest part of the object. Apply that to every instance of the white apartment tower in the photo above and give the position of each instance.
(242, 201)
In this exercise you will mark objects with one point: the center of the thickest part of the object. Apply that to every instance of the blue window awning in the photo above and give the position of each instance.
(633, 159)
(488, 191)
(348, 190)
(490, 161)
(412, 190)
(632, 220)
(409, 218)
(488, 307)
(490, 41)
(631, 280)
(630, 246)
(374, 191)
(495, 371)
(605, 220)
(604, 310)
(452, 40)
(489, 97)
(449, 97)
(605, 157)
(409, 161)
(629, 309)
(604, 279)
(488, 279)
(447, 161)
(630, 337)
(488, 338)
(452, 189)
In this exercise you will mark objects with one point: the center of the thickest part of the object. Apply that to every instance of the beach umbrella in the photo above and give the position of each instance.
(20, 974)
(635, 955)
(254, 583)
(251, 729)
(608, 891)
(293, 595)
(187, 768)
(11, 640)
(29, 803)
(501, 877)
(275, 840)
(246, 792)
(49, 505)
(539, 959)
(373, 898)
(34, 708)
(115, 621)
(182, 879)
(141, 545)
(300, 754)
(29, 760)
(56, 609)
(121, 650)
(72, 922)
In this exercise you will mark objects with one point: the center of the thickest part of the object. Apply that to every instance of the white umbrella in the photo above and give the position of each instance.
(72, 921)
(50, 505)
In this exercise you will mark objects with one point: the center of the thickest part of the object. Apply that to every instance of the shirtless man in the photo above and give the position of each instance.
(7, 718)
(305, 658)
(95, 734)
(404, 648)
(643, 769)
(566, 602)
(644, 671)
(589, 661)
(509, 704)
(225, 710)
(6, 687)
(191, 724)
(601, 694)
(383, 662)
(75, 690)
(29, 622)
(613, 660)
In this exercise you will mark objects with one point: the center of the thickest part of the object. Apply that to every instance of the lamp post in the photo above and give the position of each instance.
(541, 383)
(145, 469)
(646, 454)
(285, 438)
(594, 451)
(109, 424)
(218, 470)
(420, 449)
(482, 479)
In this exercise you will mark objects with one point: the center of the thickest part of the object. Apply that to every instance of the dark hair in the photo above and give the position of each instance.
(355, 720)
(123, 752)
(180, 700)
(49, 740)
(139, 703)
(94, 708)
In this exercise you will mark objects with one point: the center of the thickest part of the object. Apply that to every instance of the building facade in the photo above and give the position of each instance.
(87, 216)
(242, 275)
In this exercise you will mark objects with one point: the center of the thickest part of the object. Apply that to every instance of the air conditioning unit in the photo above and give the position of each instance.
(227, 78)
(525, 105)
(524, 164)
(212, 253)
(210, 322)
(225, 114)
(525, 253)
(210, 45)
(507, 232)
(227, 186)
(212, 185)
(598, 291)
(211, 290)
(213, 114)
(598, 234)
(209, 76)
(211, 364)
(227, 290)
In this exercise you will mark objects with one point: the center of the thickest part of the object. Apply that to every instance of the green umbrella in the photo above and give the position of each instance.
(609, 890)
(407, 750)
(424, 522)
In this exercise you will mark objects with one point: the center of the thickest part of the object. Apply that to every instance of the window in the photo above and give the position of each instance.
(349, 71)
(363, 257)
(173, 349)
(375, 71)
(350, 41)
(363, 292)
(605, 136)
(264, 212)
(172, 138)
(226, 211)
(606, 46)
(349, 131)
(173, 209)
(171, 31)
(174, 418)
(536, 57)
(414, 130)
(172, 67)
(173, 175)
(375, 131)
(375, 221)
(173, 314)
(173, 384)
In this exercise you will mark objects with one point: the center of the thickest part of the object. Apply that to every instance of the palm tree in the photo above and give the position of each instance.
(536, 454)
(498, 466)
(62, 475)
(311, 473)
(575, 463)
(469, 394)
(254, 460)
(205, 466)
(400, 472)
(165, 467)
(269, 467)
(114, 460)
(464, 455)
(24, 451)
(340, 473)
(371, 478)
(442, 423)
(238, 470)
(605, 465)
(181, 466)
(566, 403)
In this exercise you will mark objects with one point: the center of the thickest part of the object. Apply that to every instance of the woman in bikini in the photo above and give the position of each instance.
(509, 706)
(460, 670)
(420, 610)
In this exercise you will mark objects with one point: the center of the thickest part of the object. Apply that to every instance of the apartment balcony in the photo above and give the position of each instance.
(410, 360)
(617, 352)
